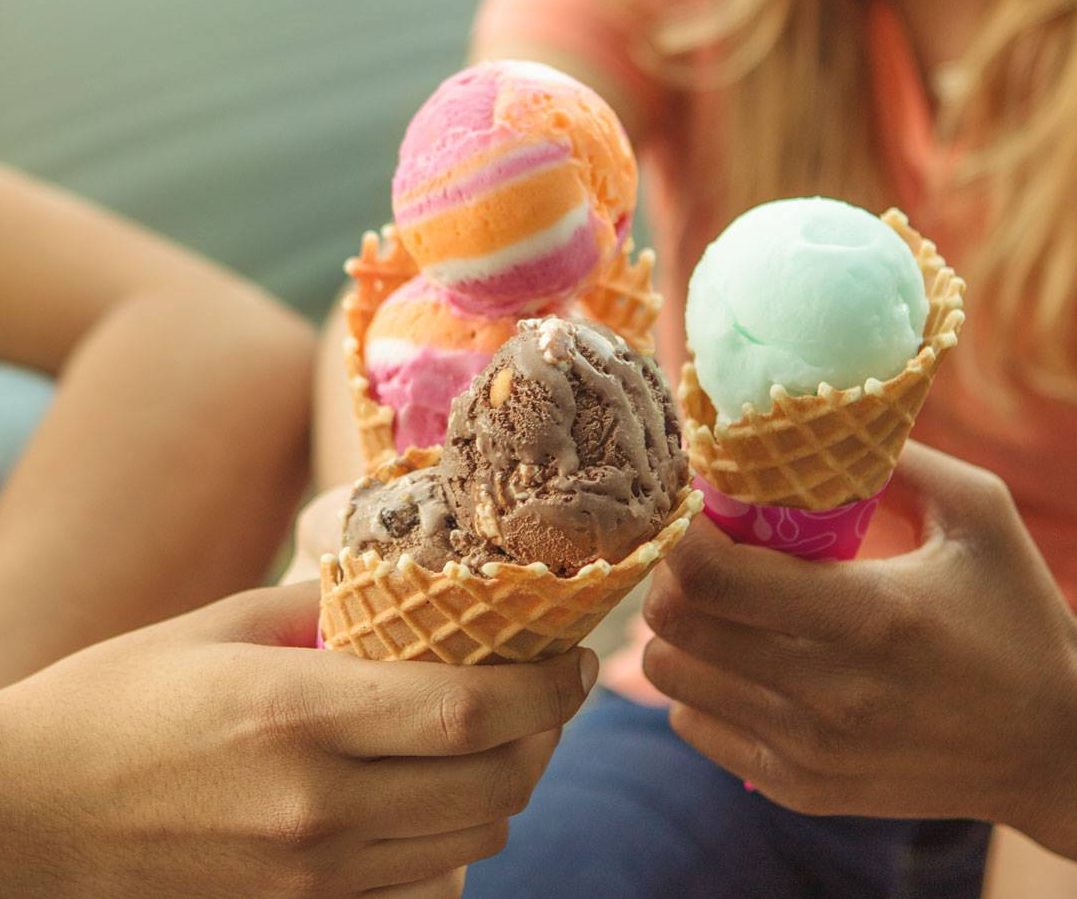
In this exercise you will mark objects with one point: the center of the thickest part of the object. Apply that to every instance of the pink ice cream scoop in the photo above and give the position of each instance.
(515, 187)
(420, 351)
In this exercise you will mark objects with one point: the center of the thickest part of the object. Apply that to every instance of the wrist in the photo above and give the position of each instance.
(1047, 807)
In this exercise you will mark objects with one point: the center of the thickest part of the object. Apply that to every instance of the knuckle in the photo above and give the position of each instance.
(809, 795)
(855, 716)
(518, 793)
(700, 582)
(660, 666)
(764, 763)
(888, 619)
(565, 698)
(489, 842)
(990, 490)
(298, 822)
(512, 784)
(461, 720)
(665, 606)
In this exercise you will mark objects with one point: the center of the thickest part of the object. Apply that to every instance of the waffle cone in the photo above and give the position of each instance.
(822, 451)
(515, 613)
(382, 266)
(624, 300)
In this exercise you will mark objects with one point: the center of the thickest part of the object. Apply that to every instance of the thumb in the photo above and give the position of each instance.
(272, 616)
(317, 531)
(944, 497)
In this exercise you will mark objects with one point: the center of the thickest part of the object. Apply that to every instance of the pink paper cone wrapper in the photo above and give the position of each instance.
(832, 535)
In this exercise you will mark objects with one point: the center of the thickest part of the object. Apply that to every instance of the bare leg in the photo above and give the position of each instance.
(167, 471)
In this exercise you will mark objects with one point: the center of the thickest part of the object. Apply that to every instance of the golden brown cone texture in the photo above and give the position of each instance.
(624, 300)
(519, 613)
(382, 266)
(819, 452)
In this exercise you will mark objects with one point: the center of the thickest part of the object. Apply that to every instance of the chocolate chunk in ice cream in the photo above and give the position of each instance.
(411, 515)
(565, 449)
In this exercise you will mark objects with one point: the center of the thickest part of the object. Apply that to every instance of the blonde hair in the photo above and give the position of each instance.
(794, 77)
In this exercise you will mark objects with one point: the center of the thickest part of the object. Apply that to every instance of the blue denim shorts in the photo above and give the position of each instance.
(627, 810)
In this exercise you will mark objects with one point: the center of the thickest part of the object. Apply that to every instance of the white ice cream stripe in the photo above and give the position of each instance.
(455, 271)
(385, 351)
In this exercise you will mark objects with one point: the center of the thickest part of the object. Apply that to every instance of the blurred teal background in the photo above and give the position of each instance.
(262, 133)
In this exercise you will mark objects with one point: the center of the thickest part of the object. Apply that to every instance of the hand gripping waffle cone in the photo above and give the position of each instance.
(821, 451)
(624, 300)
(516, 613)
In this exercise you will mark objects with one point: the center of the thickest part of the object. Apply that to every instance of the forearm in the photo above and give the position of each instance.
(1018, 868)
(164, 476)
(65, 263)
(1048, 811)
(336, 440)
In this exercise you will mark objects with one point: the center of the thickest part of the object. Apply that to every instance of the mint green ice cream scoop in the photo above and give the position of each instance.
(798, 292)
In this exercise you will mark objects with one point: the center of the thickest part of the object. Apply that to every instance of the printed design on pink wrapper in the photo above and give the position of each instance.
(829, 535)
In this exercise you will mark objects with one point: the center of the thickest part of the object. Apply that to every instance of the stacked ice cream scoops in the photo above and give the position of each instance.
(816, 329)
(562, 480)
(513, 198)
(561, 483)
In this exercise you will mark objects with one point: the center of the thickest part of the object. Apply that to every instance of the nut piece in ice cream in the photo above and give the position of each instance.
(420, 351)
(572, 456)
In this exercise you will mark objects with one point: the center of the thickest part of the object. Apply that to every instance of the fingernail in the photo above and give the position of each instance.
(588, 669)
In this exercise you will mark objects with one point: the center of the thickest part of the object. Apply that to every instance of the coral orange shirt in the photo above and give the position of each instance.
(1030, 443)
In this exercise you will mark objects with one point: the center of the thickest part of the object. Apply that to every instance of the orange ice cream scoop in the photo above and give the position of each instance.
(420, 351)
(516, 186)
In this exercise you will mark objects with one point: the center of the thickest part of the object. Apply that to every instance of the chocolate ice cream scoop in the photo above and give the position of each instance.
(411, 515)
(565, 449)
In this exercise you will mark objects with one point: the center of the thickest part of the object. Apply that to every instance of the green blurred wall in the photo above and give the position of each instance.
(261, 132)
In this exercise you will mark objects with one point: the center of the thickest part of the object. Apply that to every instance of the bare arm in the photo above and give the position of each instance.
(167, 470)
(336, 441)
(1018, 867)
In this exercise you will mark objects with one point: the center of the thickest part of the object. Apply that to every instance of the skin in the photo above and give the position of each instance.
(808, 679)
(213, 759)
(940, 32)
(177, 382)
(211, 756)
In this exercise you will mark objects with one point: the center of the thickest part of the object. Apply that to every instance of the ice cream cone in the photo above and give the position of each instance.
(381, 267)
(624, 300)
(836, 447)
(510, 613)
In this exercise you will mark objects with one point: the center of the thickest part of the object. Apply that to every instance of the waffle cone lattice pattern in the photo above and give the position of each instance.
(516, 613)
(822, 451)
(624, 300)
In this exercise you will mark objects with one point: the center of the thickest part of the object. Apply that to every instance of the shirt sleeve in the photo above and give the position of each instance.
(607, 39)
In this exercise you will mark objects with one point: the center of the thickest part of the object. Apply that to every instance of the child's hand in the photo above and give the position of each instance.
(206, 757)
(940, 683)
